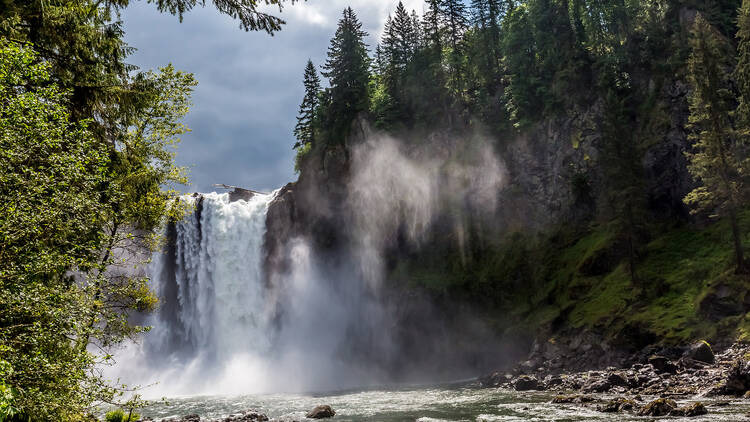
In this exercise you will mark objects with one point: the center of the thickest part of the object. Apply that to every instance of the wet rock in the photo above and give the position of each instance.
(618, 379)
(738, 378)
(526, 383)
(658, 407)
(597, 385)
(321, 412)
(246, 416)
(662, 364)
(618, 405)
(551, 381)
(575, 398)
(701, 352)
(695, 409)
(494, 379)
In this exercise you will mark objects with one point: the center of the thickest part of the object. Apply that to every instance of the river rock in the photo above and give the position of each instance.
(575, 398)
(662, 364)
(526, 383)
(658, 407)
(738, 378)
(246, 416)
(494, 379)
(618, 379)
(597, 385)
(701, 352)
(618, 405)
(551, 381)
(695, 409)
(321, 412)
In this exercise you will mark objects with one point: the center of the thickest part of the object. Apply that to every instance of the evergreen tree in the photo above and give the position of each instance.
(742, 71)
(433, 28)
(623, 172)
(456, 22)
(347, 69)
(304, 131)
(399, 45)
(717, 161)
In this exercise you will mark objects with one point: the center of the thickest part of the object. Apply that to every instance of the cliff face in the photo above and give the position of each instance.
(553, 177)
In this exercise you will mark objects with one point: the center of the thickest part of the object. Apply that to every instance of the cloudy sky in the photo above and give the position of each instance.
(250, 84)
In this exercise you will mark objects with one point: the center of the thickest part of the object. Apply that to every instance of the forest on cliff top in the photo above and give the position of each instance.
(643, 102)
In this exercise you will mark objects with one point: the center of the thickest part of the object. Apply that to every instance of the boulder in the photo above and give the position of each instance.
(597, 385)
(246, 416)
(618, 405)
(526, 383)
(658, 407)
(662, 364)
(695, 409)
(321, 412)
(738, 378)
(701, 352)
(575, 398)
(551, 381)
(618, 379)
(494, 379)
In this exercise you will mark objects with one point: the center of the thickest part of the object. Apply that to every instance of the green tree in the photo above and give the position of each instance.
(51, 215)
(399, 45)
(347, 69)
(718, 160)
(456, 21)
(304, 131)
(74, 205)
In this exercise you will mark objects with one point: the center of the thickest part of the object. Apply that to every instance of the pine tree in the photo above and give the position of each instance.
(486, 18)
(433, 29)
(304, 131)
(717, 161)
(399, 38)
(742, 71)
(347, 69)
(399, 46)
(456, 22)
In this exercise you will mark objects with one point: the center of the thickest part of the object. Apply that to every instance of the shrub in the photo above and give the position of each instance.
(120, 416)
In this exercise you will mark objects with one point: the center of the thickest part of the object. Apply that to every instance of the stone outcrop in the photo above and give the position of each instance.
(321, 412)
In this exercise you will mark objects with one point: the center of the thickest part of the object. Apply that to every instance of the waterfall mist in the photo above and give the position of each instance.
(322, 323)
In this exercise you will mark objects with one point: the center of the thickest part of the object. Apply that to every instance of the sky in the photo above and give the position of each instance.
(250, 83)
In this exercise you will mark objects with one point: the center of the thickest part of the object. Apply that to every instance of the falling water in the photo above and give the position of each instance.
(213, 313)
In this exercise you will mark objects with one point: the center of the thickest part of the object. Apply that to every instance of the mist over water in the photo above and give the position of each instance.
(224, 329)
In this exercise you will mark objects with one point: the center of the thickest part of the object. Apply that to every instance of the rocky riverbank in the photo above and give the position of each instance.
(648, 384)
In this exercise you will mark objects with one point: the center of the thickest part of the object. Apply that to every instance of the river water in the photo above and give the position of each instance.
(217, 331)
(423, 404)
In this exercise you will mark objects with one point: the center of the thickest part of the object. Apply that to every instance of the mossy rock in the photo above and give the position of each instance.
(658, 407)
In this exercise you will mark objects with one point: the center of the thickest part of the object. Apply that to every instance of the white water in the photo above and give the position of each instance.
(211, 333)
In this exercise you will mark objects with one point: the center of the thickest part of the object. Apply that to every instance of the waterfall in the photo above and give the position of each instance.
(213, 309)
(217, 266)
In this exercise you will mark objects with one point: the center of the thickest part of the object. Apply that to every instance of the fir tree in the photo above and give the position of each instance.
(433, 29)
(454, 17)
(742, 71)
(717, 161)
(304, 131)
(347, 69)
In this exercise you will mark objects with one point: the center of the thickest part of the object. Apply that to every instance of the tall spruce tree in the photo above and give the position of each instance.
(347, 69)
(455, 19)
(304, 131)
(717, 159)
(399, 46)
(742, 71)
(433, 28)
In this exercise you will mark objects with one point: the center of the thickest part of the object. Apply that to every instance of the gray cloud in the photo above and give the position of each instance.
(250, 84)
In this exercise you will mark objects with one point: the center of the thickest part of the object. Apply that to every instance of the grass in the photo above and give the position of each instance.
(579, 281)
